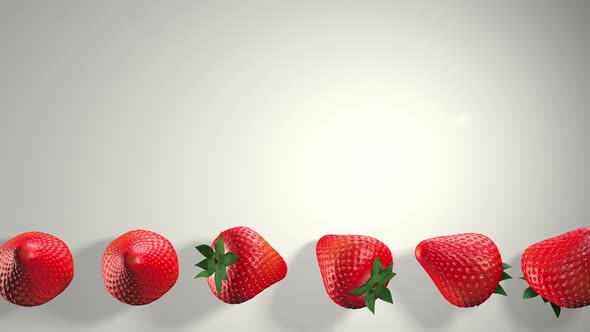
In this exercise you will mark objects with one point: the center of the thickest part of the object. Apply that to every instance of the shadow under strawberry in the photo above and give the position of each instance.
(5, 307)
(86, 299)
(416, 293)
(300, 301)
(533, 313)
(189, 299)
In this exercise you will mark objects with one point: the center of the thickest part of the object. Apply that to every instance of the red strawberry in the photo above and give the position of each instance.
(249, 266)
(466, 268)
(558, 269)
(35, 267)
(352, 270)
(139, 267)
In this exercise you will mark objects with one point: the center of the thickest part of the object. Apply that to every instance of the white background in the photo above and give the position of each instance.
(397, 121)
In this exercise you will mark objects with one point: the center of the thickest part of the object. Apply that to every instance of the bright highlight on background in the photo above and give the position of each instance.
(402, 121)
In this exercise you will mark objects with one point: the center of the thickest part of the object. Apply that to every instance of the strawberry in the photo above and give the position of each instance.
(352, 270)
(242, 265)
(139, 267)
(558, 269)
(466, 268)
(35, 267)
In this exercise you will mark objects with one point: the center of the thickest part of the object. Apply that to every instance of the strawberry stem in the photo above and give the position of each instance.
(215, 262)
(375, 287)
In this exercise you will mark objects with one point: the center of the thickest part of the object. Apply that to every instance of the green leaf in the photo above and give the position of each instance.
(229, 258)
(379, 277)
(388, 269)
(205, 250)
(370, 302)
(204, 264)
(222, 273)
(219, 246)
(505, 276)
(544, 300)
(387, 273)
(556, 309)
(523, 278)
(506, 266)
(500, 290)
(216, 262)
(529, 293)
(359, 290)
(386, 277)
(218, 282)
(204, 274)
(384, 294)
(376, 267)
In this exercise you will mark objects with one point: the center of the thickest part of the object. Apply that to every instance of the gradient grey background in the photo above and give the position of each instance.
(398, 120)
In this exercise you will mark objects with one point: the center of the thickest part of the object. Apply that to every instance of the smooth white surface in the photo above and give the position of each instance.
(393, 120)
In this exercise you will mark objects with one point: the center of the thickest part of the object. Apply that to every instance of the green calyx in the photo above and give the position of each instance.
(215, 262)
(500, 290)
(530, 293)
(375, 288)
